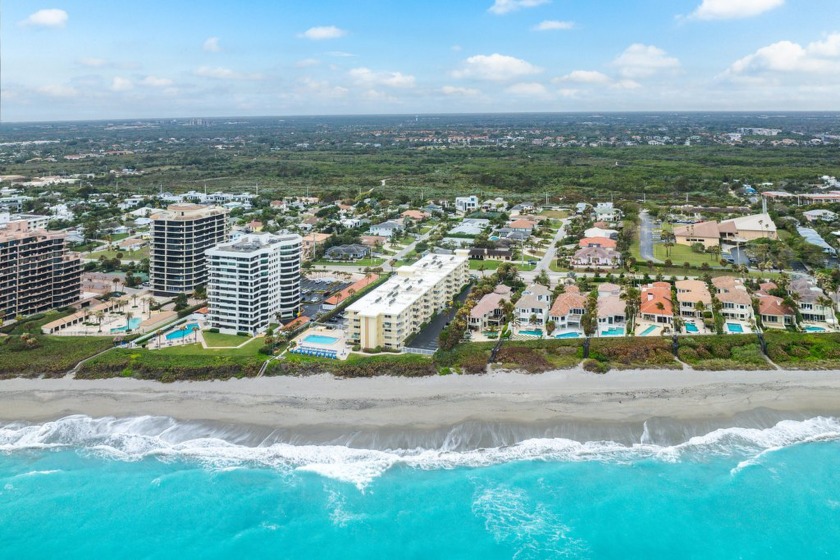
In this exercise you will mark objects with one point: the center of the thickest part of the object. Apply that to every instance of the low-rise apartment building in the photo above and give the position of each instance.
(253, 282)
(394, 311)
(37, 273)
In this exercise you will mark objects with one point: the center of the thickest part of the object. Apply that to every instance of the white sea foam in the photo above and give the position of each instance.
(139, 438)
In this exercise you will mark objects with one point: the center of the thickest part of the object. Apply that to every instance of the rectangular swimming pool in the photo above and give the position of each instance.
(648, 330)
(613, 331)
(535, 332)
(691, 327)
(571, 334)
(320, 339)
(734, 328)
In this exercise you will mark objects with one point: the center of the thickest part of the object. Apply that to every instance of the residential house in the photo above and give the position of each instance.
(568, 308)
(470, 226)
(596, 231)
(497, 204)
(735, 301)
(534, 303)
(656, 305)
(386, 229)
(596, 257)
(523, 208)
(487, 313)
(311, 242)
(819, 214)
(693, 298)
(774, 312)
(813, 304)
(484, 253)
(466, 204)
(416, 215)
(373, 241)
(522, 226)
(607, 212)
(611, 308)
(351, 252)
(603, 242)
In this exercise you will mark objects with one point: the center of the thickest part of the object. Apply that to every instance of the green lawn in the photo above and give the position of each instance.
(140, 254)
(557, 214)
(680, 254)
(223, 340)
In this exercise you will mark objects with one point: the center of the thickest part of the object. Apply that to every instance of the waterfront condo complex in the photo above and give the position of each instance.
(37, 273)
(394, 311)
(179, 238)
(254, 282)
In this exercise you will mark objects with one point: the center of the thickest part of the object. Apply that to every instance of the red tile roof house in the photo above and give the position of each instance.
(656, 303)
(604, 242)
(415, 215)
(736, 303)
(774, 313)
(568, 308)
(487, 312)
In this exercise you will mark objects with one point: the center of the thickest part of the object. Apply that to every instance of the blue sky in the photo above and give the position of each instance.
(84, 59)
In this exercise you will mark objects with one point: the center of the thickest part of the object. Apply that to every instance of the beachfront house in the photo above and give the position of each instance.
(693, 298)
(775, 313)
(735, 301)
(814, 305)
(568, 308)
(488, 313)
(532, 308)
(656, 305)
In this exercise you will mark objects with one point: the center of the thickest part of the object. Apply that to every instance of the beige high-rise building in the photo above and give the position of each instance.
(394, 311)
(37, 273)
(180, 236)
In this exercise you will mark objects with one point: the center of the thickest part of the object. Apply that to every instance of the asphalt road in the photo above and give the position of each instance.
(646, 238)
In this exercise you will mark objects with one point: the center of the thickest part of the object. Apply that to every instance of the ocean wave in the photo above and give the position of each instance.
(139, 438)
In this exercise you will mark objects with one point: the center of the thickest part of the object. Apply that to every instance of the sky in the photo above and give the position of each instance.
(86, 59)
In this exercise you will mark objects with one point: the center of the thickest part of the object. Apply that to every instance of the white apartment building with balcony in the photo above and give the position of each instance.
(180, 235)
(394, 311)
(253, 282)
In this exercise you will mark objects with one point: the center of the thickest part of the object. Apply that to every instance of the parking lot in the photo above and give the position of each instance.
(314, 291)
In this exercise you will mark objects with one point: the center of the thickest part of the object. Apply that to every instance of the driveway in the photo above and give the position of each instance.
(551, 252)
(427, 339)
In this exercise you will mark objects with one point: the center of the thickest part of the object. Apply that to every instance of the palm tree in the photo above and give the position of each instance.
(99, 316)
(128, 317)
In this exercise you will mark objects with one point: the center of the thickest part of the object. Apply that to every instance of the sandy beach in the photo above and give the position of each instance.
(326, 403)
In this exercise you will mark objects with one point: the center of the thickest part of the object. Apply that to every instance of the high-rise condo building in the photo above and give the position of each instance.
(254, 282)
(37, 273)
(180, 236)
(391, 313)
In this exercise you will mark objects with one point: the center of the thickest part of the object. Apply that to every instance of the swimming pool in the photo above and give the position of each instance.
(570, 334)
(185, 331)
(691, 327)
(814, 329)
(133, 323)
(734, 328)
(535, 332)
(648, 330)
(613, 331)
(320, 339)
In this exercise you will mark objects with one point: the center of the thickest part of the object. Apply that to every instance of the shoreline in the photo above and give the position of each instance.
(322, 408)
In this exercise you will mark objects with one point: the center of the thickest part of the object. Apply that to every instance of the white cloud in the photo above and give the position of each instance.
(501, 7)
(46, 18)
(155, 81)
(121, 84)
(554, 25)
(643, 61)
(495, 67)
(220, 73)
(310, 86)
(786, 57)
(459, 91)
(586, 77)
(369, 78)
(93, 62)
(211, 44)
(456, 48)
(733, 9)
(307, 62)
(323, 32)
(340, 54)
(58, 90)
(527, 89)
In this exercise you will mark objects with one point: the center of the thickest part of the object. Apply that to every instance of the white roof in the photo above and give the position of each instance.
(756, 222)
(409, 284)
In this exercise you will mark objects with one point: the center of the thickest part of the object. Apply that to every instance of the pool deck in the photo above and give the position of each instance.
(339, 346)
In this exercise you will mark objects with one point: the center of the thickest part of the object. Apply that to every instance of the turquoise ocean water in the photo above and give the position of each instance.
(155, 488)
